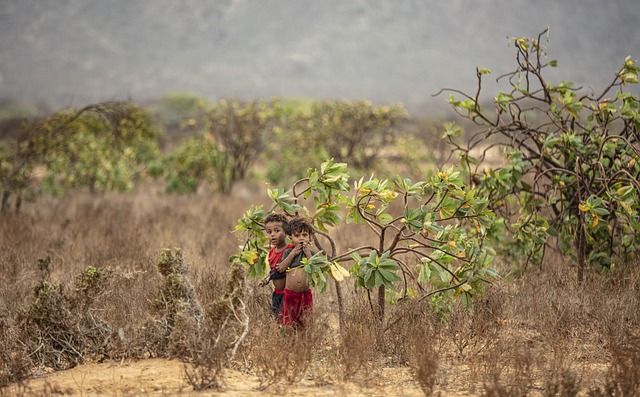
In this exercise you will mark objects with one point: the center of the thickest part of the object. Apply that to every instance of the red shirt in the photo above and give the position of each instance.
(276, 257)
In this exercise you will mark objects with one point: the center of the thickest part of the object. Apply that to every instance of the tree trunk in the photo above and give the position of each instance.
(340, 304)
(581, 252)
(5, 200)
(381, 302)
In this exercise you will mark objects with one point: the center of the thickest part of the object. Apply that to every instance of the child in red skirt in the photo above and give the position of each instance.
(297, 305)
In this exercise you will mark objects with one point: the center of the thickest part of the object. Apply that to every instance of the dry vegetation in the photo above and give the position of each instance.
(83, 279)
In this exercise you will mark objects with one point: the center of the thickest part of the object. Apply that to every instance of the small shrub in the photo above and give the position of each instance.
(425, 366)
(357, 356)
(562, 384)
(510, 370)
(623, 377)
(14, 363)
(176, 303)
(216, 341)
(58, 329)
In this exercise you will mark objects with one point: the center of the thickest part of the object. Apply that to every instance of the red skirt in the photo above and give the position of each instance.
(297, 308)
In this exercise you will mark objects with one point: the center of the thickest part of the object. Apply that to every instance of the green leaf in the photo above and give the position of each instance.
(385, 218)
(389, 276)
(379, 280)
(425, 272)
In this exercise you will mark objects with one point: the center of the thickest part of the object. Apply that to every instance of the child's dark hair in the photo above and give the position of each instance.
(278, 217)
(300, 224)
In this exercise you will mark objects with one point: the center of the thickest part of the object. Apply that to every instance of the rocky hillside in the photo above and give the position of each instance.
(69, 52)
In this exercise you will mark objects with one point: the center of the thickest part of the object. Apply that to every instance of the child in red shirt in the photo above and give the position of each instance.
(276, 227)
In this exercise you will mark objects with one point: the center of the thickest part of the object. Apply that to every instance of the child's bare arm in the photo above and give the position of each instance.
(265, 281)
(285, 263)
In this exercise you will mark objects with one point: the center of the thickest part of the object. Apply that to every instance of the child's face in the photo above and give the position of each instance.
(300, 236)
(275, 233)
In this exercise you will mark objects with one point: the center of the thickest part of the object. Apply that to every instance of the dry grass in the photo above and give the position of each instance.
(537, 335)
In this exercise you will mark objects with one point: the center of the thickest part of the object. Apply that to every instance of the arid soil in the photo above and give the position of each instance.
(166, 377)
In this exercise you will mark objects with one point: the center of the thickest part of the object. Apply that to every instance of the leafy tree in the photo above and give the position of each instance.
(277, 131)
(355, 132)
(572, 160)
(289, 139)
(240, 131)
(435, 242)
(195, 161)
(102, 146)
(106, 148)
(232, 136)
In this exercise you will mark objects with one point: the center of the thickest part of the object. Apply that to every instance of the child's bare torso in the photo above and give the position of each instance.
(296, 280)
(279, 284)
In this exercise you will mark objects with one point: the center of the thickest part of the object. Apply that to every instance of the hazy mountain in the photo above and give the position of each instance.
(70, 52)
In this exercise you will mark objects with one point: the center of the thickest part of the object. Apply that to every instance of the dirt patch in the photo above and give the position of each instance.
(166, 378)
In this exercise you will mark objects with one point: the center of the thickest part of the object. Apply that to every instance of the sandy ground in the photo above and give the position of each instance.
(158, 377)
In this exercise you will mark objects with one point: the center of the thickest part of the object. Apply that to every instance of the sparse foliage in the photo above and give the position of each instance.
(215, 343)
(572, 160)
(435, 240)
(240, 131)
(102, 146)
(178, 311)
(58, 329)
(192, 163)
(355, 132)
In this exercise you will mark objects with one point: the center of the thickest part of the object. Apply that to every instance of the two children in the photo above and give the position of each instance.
(292, 296)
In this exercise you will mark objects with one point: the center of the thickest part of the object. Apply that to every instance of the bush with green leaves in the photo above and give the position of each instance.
(571, 171)
(230, 136)
(177, 108)
(434, 245)
(196, 161)
(355, 132)
(107, 149)
(181, 116)
(291, 148)
(104, 146)
(285, 135)
(240, 131)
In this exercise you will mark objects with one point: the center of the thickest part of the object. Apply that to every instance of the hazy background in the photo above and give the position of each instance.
(73, 52)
